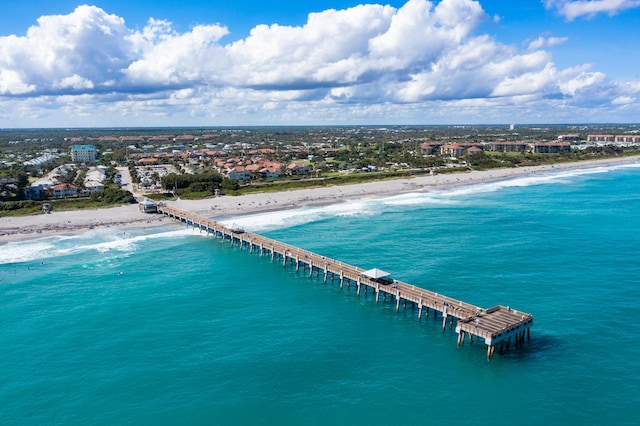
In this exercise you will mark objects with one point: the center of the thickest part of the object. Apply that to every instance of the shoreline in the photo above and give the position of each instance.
(226, 207)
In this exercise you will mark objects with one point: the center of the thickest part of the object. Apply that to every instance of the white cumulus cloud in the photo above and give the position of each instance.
(542, 42)
(340, 65)
(572, 9)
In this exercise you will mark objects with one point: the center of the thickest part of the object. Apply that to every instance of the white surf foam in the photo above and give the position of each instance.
(102, 241)
(294, 217)
(368, 206)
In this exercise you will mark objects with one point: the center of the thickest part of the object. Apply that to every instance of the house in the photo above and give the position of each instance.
(94, 178)
(429, 148)
(297, 169)
(238, 173)
(34, 192)
(472, 150)
(64, 190)
(272, 170)
(93, 186)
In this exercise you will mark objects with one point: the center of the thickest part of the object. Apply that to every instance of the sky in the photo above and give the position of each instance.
(149, 63)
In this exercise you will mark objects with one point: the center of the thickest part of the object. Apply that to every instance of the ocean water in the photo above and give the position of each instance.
(169, 326)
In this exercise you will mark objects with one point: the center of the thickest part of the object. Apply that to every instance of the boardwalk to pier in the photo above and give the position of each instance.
(498, 326)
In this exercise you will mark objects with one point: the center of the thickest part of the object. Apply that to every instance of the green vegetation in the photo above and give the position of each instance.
(335, 180)
(110, 197)
(113, 195)
(196, 158)
(207, 181)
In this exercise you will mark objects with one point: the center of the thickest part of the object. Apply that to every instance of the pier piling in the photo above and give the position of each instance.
(496, 325)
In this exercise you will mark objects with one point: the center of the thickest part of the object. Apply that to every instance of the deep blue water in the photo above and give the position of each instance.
(168, 326)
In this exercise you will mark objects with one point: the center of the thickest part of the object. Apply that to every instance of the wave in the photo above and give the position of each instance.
(299, 216)
(112, 240)
(439, 197)
(99, 241)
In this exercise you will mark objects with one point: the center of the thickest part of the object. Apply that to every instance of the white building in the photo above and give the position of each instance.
(83, 153)
(93, 180)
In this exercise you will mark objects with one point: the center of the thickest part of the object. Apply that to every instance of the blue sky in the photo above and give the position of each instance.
(230, 63)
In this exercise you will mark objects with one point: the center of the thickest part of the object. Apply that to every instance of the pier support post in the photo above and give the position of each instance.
(461, 338)
(377, 292)
(358, 286)
(420, 310)
(297, 263)
(310, 269)
(397, 301)
(444, 321)
(326, 272)
(490, 349)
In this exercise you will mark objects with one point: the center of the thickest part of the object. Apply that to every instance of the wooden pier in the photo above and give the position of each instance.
(499, 326)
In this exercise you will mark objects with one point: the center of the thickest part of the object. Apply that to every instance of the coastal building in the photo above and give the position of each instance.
(601, 138)
(572, 137)
(148, 206)
(297, 169)
(239, 173)
(551, 147)
(83, 153)
(36, 164)
(508, 146)
(93, 187)
(429, 148)
(273, 170)
(34, 192)
(630, 139)
(474, 150)
(93, 180)
(458, 149)
(64, 190)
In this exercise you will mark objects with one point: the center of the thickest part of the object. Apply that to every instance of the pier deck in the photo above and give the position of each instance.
(496, 325)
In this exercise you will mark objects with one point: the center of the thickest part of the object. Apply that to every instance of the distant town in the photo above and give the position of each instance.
(46, 164)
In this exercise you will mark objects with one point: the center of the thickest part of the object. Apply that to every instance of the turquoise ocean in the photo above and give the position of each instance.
(169, 326)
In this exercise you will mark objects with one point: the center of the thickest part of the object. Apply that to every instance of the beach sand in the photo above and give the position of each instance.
(74, 222)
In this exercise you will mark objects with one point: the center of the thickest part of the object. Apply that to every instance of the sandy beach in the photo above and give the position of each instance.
(74, 222)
